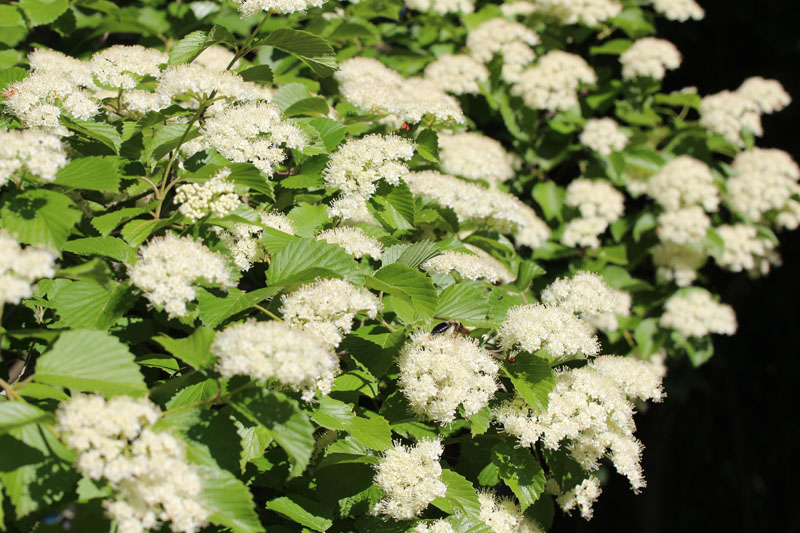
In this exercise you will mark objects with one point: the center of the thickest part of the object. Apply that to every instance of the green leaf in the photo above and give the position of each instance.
(288, 425)
(259, 73)
(533, 378)
(308, 106)
(466, 302)
(393, 206)
(97, 173)
(461, 495)
(37, 473)
(137, 231)
(39, 216)
(11, 16)
(408, 285)
(288, 94)
(166, 139)
(713, 242)
(304, 260)
(86, 304)
(308, 219)
(112, 247)
(12, 74)
(305, 512)
(613, 47)
(416, 254)
(193, 350)
(43, 11)
(428, 145)
(479, 422)
(375, 432)
(311, 49)
(191, 46)
(99, 131)
(330, 131)
(105, 224)
(520, 471)
(215, 310)
(89, 360)
(634, 23)
(228, 499)
(16, 414)
(550, 198)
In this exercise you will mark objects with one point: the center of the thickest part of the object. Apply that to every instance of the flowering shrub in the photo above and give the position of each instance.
(356, 266)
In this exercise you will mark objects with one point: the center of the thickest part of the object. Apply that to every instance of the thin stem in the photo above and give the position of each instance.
(268, 312)
(216, 399)
(9, 390)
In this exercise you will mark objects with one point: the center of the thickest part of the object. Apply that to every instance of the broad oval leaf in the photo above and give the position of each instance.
(93, 361)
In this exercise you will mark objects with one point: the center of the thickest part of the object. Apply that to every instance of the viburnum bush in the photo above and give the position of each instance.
(358, 266)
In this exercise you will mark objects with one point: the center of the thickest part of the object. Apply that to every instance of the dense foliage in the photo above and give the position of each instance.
(364, 266)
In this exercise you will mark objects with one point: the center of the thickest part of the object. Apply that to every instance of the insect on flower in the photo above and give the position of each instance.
(11, 92)
(443, 327)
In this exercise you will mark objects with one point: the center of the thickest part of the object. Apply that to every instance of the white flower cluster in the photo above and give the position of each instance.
(267, 350)
(248, 8)
(358, 164)
(766, 182)
(375, 88)
(582, 496)
(474, 156)
(600, 205)
(728, 113)
(56, 64)
(354, 241)
(170, 265)
(475, 204)
(678, 262)
(681, 10)
(123, 67)
(327, 308)
(440, 372)
(37, 151)
(587, 295)
(457, 74)
(410, 477)
(603, 135)
(584, 232)
(503, 515)
(469, 266)
(586, 12)
(39, 99)
(198, 83)
(20, 267)
(442, 7)
(695, 313)
(152, 481)
(518, 8)
(511, 40)
(684, 182)
(553, 82)
(746, 250)
(215, 196)
(352, 210)
(769, 95)
(590, 410)
(683, 226)
(243, 239)
(534, 327)
(649, 57)
(437, 526)
(253, 132)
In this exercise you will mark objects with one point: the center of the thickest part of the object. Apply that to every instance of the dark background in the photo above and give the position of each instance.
(721, 450)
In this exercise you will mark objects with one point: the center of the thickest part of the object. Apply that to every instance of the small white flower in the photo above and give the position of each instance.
(410, 477)
(649, 57)
(440, 372)
(695, 313)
